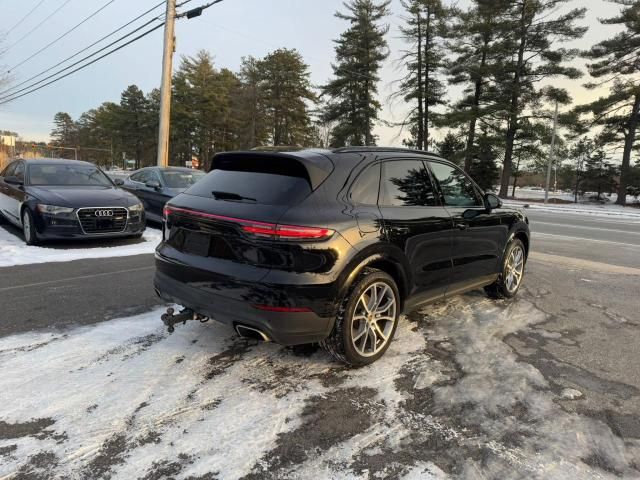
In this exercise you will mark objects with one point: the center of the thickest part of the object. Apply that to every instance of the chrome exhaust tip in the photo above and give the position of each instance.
(250, 332)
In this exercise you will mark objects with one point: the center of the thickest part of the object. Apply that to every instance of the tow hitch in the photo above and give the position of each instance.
(169, 319)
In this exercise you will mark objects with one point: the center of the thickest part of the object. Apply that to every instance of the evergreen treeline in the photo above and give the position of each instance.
(503, 55)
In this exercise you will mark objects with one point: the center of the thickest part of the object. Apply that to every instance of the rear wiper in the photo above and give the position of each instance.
(231, 196)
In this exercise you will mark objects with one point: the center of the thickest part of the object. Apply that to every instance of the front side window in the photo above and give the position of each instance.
(67, 175)
(365, 189)
(457, 189)
(9, 170)
(407, 183)
(137, 177)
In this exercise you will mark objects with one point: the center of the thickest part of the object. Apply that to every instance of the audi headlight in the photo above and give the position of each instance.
(53, 209)
(137, 208)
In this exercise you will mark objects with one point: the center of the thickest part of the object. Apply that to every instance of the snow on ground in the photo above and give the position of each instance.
(13, 250)
(126, 400)
(581, 208)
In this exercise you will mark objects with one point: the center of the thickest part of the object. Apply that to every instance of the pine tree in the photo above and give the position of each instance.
(475, 36)
(64, 132)
(616, 63)
(599, 174)
(253, 130)
(286, 89)
(483, 168)
(133, 123)
(425, 30)
(205, 115)
(360, 51)
(530, 57)
(451, 148)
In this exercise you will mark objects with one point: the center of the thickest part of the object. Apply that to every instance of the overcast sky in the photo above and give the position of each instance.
(229, 30)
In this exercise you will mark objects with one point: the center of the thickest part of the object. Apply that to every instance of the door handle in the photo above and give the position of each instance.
(461, 226)
(400, 230)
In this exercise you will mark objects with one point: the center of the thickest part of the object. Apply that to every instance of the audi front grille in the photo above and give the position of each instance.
(103, 219)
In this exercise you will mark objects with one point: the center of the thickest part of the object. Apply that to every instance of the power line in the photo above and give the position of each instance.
(56, 40)
(13, 87)
(85, 65)
(13, 96)
(25, 17)
(75, 63)
(37, 26)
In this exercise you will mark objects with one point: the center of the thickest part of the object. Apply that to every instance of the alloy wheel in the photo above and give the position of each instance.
(26, 226)
(373, 319)
(514, 268)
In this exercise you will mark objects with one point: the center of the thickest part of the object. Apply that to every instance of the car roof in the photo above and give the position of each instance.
(349, 157)
(54, 161)
(178, 169)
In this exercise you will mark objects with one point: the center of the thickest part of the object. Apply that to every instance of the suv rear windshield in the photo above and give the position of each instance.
(265, 181)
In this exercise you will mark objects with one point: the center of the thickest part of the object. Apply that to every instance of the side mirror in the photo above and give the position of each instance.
(153, 184)
(118, 181)
(13, 180)
(492, 201)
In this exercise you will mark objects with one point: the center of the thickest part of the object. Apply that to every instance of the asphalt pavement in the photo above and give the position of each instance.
(80, 292)
(609, 240)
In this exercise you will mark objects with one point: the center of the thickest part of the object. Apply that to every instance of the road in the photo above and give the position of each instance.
(546, 386)
(609, 240)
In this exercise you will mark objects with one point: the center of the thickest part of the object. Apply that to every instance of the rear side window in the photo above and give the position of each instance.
(261, 180)
(457, 189)
(365, 189)
(407, 183)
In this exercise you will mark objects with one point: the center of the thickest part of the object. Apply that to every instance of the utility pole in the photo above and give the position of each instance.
(551, 154)
(165, 84)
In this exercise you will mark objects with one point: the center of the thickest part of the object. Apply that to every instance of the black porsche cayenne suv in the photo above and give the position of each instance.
(331, 246)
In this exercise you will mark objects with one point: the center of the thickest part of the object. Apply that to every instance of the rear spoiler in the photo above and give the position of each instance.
(317, 165)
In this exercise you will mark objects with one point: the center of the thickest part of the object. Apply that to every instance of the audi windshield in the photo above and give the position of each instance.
(67, 175)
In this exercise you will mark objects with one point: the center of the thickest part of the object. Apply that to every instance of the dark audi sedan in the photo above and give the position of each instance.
(332, 246)
(154, 186)
(67, 199)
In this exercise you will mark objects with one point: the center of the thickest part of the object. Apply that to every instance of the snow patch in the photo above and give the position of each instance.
(13, 250)
(570, 394)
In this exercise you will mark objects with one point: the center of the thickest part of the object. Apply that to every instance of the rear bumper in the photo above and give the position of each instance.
(290, 328)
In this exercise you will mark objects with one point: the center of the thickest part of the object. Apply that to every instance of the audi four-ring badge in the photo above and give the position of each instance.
(104, 213)
(67, 199)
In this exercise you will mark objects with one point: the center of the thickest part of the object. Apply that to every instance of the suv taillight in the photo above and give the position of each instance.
(260, 229)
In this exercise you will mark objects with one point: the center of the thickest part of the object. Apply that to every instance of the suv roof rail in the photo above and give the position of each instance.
(383, 149)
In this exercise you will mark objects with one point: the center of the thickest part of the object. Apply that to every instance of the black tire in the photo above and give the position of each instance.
(29, 228)
(137, 235)
(499, 288)
(339, 342)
